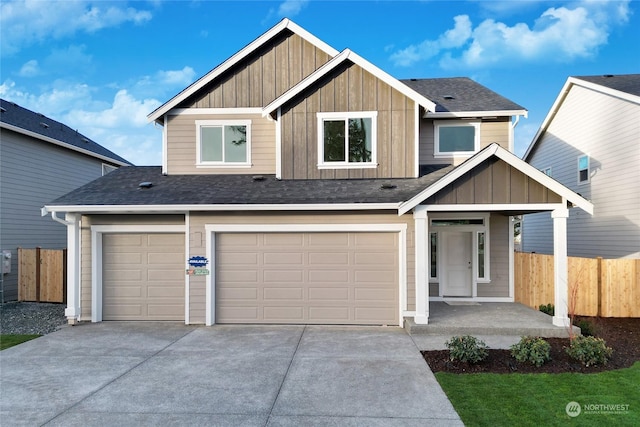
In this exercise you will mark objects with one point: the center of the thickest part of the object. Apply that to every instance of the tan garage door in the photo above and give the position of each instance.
(311, 278)
(143, 276)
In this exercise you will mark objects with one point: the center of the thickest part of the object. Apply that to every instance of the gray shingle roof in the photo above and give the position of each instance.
(121, 187)
(628, 83)
(20, 117)
(459, 94)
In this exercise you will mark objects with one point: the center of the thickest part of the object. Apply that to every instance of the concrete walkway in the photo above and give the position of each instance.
(131, 374)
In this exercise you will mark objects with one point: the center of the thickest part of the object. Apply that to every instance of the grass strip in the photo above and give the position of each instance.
(7, 341)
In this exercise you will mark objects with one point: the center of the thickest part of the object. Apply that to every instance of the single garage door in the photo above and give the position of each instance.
(309, 278)
(143, 276)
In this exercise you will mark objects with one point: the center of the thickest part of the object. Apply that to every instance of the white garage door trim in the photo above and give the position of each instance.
(96, 259)
(212, 229)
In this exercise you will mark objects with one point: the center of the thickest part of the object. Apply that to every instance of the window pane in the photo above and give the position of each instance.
(456, 138)
(211, 144)
(334, 139)
(235, 144)
(583, 162)
(481, 250)
(584, 175)
(360, 140)
(434, 255)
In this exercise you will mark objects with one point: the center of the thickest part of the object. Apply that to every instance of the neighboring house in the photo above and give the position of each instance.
(40, 159)
(590, 142)
(318, 189)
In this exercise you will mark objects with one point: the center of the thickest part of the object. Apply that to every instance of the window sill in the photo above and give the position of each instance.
(348, 166)
(225, 165)
(454, 155)
(483, 281)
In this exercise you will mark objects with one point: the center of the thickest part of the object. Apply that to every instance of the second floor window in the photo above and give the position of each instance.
(225, 143)
(347, 140)
(456, 138)
(583, 169)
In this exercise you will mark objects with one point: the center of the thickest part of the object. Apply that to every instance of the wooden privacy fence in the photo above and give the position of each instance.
(42, 275)
(602, 287)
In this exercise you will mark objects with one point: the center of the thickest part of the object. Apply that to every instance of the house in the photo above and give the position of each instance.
(40, 159)
(590, 142)
(305, 185)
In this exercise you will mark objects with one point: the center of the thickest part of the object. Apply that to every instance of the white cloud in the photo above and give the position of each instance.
(29, 69)
(158, 84)
(559, 34)
(24, 22)
(290, 8)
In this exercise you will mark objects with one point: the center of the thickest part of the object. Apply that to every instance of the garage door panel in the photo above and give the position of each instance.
(324, 279)
(143, 276)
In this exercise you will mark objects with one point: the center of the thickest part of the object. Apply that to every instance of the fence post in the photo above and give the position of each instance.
(599, 313)
(38, 272)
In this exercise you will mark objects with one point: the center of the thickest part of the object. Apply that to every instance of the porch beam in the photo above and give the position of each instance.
(560, 267)
(420, 218)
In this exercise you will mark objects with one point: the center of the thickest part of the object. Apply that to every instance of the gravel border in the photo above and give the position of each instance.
(31, 318)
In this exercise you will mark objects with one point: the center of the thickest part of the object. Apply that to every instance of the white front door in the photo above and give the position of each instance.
(457, 264)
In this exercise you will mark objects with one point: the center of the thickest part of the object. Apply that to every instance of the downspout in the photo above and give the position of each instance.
(512, 130)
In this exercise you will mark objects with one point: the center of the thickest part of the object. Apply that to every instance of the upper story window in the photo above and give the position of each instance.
(456, 138)
(223, 143)
(546, 171)
(347, 140)
(583, 169)
(107, 168)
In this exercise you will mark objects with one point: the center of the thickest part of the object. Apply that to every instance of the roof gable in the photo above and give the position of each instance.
(36, 125)
(283, 25)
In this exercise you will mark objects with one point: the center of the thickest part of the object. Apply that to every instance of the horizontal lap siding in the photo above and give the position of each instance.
(349, 89)
(609, 135)
(181, 146)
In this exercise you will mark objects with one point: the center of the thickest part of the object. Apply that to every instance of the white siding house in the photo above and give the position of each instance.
(590, 142)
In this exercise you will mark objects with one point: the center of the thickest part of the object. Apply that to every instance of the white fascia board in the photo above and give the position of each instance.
(61, 143)
(219, 208)
(466, 114)
(345, 55)
(237, 57)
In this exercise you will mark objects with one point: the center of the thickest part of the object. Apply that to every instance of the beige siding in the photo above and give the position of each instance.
(181, 145)
(499, 251)
(490, 132)
(349, 88)
(609, 135)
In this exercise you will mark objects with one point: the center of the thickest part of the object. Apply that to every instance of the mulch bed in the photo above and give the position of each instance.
(622, 335)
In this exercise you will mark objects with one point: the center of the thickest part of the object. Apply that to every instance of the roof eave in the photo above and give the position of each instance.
(480, 113)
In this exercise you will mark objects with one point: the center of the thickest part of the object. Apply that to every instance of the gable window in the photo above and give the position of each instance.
(347, 140)
(223, 143)
(583, 169)
(456, 138)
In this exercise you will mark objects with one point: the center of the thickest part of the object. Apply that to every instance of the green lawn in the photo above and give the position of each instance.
(7, 341)
(541, 399)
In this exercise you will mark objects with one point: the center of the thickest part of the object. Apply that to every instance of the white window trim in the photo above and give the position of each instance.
(106, 165)
(449, 123)
(434, 279)
(547, 171)
(588, 169)
(321, 117)
(223, 164)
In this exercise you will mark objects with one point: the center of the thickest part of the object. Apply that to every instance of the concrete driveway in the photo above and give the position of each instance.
(123, 373)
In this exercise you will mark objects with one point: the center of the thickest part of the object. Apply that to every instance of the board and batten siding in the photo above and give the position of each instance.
(490, 132)
(197, 238)
(181, 145)
(609, 135)
(263, 76)
(32, 174)
(349, 88)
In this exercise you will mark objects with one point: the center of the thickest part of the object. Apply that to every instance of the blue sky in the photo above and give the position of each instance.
(102, 66)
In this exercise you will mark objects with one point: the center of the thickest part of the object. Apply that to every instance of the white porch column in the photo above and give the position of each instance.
(73, 267)
(422, 255)
(560, 266)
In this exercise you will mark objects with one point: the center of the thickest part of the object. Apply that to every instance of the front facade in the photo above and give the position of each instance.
(304, 185)
(590, 142)
(40, 159)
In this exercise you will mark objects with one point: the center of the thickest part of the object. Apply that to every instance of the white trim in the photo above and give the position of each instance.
(511, 256)
(212, 229)
(345, 55)
(222, 124)
(236, 58)
(345, 116)
(474, 114)
(422, 264)
(588, 180)
(96, 255)
(560, 267)
(416, 143)
(496, 207)
(213, 111)
(74, 251)
(108, 166)
(279, 144)
(61, 143)
(511, 159)
(187, 278)
(450, 123)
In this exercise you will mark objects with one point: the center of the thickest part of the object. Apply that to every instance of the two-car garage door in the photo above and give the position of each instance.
(308, 278)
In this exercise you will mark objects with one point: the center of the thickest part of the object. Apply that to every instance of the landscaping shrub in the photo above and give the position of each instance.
(589, 350)
(467, 349)
(547, 309)
(534, 350)
(586, 328)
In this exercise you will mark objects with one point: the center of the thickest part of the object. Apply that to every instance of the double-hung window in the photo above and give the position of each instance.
(347, 140)
(223, 143)
(583, 169)
(456, 138)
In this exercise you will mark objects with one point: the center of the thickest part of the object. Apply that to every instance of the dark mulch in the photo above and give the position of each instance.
(622, 335)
